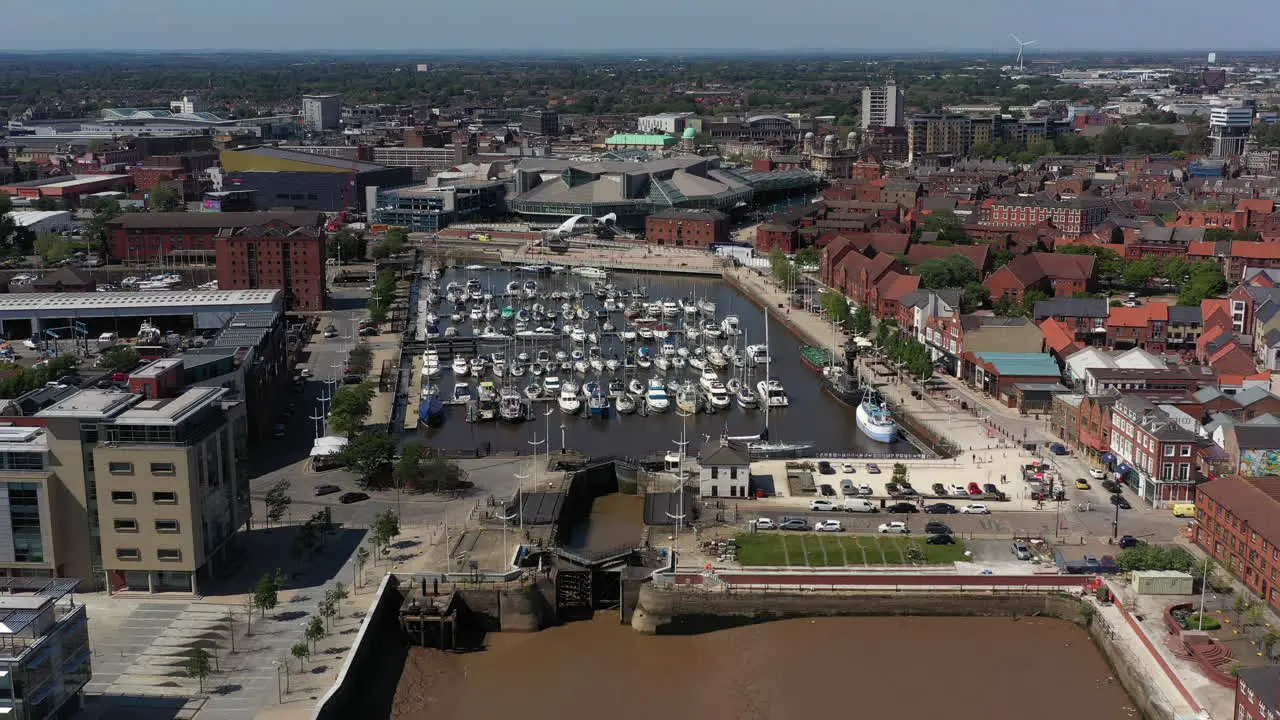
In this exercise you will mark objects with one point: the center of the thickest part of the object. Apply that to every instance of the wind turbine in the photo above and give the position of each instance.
(1020, 46)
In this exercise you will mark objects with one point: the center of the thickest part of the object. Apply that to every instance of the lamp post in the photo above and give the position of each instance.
(1204, 585)
(279, 686)
(506, 559)
(520, 499)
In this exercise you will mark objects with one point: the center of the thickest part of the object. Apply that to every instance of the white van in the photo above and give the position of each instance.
(108, 338)
(858, 505)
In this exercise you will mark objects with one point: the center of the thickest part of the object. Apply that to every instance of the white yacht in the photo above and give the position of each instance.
(655, 397)
(460, 367)
(720, 399)
(729, 326)
(569, 401)
(708, 378)
(758, 354)
(687, 398)
(772, 393)
(431, 364)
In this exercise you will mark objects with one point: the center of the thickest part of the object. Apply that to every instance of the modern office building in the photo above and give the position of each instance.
(1229, 129)
(670, 123)
(322, 112)
(428, 209)
(540, 122)
(156, 486)
(45, 660)
(883, 106)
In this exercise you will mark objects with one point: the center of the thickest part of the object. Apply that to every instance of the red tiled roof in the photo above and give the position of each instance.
(892, 243)
(894, 285)
(1257, 205)
(1211, 307)
(1058, 337)
(1209, 335)
(1255, 250)
(1232, 359)
(1200, 248)
(1030, 269)
(1139, 316)
(1256, 501)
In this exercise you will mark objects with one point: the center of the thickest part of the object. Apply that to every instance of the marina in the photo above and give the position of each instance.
(577, 353)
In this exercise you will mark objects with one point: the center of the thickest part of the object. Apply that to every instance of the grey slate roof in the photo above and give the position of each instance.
(1181, 315)
(722, 454)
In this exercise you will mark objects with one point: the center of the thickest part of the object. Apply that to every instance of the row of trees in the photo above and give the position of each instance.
(394, 242)
(1196, 280)
(1112, 141)
(906, 351)
(384, 289)
(17, 379)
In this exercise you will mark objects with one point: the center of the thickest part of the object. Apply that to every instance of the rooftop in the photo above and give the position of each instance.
(170, 411)
(165, 220)
(73, 302)
(1016, 363)
(23, 439)
(94, 404)
(156, 368)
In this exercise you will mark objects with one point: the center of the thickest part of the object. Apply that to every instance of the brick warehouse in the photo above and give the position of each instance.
(687, 227)
(1238, 523)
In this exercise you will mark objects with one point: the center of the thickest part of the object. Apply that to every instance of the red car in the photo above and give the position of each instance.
(974, 489)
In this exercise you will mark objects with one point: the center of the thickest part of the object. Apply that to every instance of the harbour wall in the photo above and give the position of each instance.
(673, 609)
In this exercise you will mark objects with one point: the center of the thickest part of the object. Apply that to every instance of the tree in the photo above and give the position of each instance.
(385, 529)
(1108, 266)
(835, 305)
(395, 240)
(1148, 556)
(360, 359)
(1001, 257)
(52, 247)
(862, 320)
(885, 332)
(948, 225)
(266, 594)
(351, 407)
(362, 559)
(808, 257)
(119, 358)
(7, 224)
(104, 211)
(784, 271)
(278, 501)
(380, 252)
(371, 455)
(347, 245)
(952, 271)
(46, 203)
(336, 595)
(164, 199)
(302, 652)
(974, 296)
(1205, 280)
(314, 631)
(199, 666)
(1137, 273)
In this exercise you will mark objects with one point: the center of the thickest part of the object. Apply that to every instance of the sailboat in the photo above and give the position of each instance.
(760, 445)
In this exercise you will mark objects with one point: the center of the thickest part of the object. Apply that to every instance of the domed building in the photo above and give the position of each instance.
(689, 140)
(828, 159)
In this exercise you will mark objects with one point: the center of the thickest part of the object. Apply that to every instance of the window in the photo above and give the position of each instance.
(1186, 451)
(733, 473)
(120, 468)
(123, 496)
(126, 525)
(162, 469)
(165, 498)
(715, 472)
(1166, 471)
(128, 554)
(1169, 450)
(166, 526)
(24, 518)
(168, 554)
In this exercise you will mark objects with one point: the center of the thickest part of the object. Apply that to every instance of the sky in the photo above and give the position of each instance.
(610, 25)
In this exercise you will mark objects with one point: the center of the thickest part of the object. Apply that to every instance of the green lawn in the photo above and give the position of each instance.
(839, 550)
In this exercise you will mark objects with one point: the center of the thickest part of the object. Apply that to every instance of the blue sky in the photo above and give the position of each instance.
(596, 25)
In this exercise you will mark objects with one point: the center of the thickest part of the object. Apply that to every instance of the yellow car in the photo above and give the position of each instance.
(1082, 484)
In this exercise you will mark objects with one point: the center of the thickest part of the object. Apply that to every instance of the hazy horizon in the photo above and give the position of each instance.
(503, 27)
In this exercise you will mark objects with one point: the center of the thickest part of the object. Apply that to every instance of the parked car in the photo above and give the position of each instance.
(940, 509)
(765, 524)
(873, 468)
(865, 489)
(821, 505)
(846, 487)
(905, 490)
(1059, 449)
(331, 332)
(353, 497)
(975, 509)
(1097, 473)
(1111, 486)
(941, 539)
(326, 490)
(974, 489)
(937, 528)
(794, 524)
(1119, 501)
(958, 491)
(826, 490)
(903, 507)
(894, 527)
(825, 468)
(1082, 484)
(828, 526)
(848, 468)
(1021, 550)
(892, 488)
(939, 489)
(1128, 541)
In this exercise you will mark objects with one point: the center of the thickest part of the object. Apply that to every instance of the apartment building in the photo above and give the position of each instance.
(276, 255)
(939, 133)
(155, 485)
(883, 106)
(1238, 523)
(45, 660)
(1155, 456)
(1075, 216)
(28, 489)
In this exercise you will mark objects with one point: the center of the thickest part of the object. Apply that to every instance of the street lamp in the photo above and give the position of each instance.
(505, 518)
(520, 498)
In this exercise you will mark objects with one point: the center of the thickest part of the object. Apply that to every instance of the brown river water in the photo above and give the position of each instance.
(900, 668)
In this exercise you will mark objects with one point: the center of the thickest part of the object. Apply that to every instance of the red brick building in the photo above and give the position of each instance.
(1236, 255)
(857, 275)
(1238, 524)
(276, 255)
(1155, 456)
(1145, 326)
(1257, 693)
(888, 293)
(1056, 275)
(686, 227)
(1073, 217)
(175, 236)
(776, 236)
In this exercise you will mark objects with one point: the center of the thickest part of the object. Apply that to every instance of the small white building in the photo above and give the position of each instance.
(39, 221)
(724, 471)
